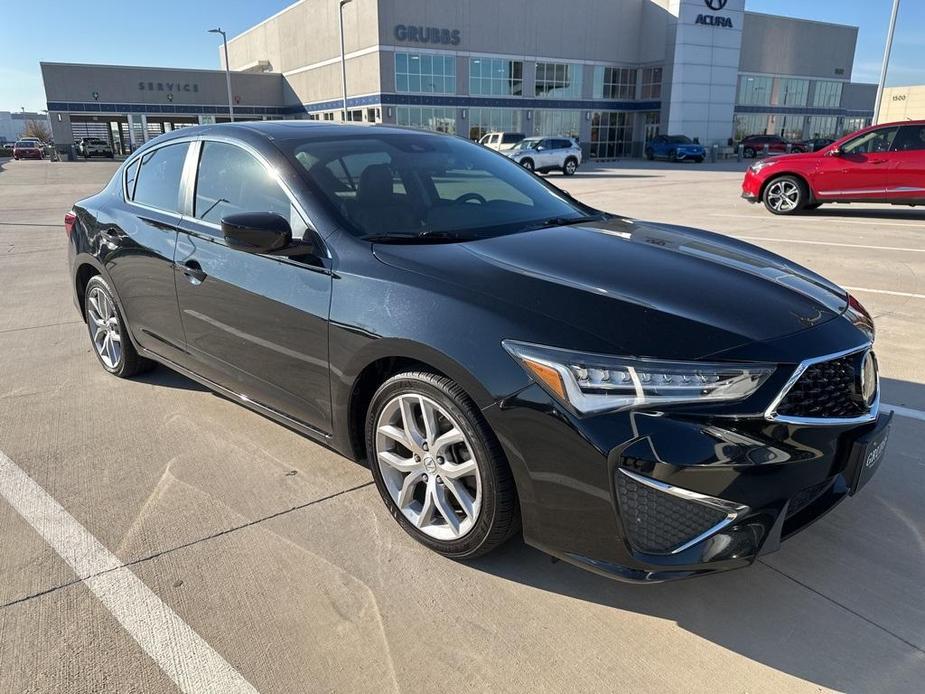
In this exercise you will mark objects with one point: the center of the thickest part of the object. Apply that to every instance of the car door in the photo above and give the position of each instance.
(546, 154)
(256, 324)
(907, 170)
(138, 242)
(859, 169)
(658, 146)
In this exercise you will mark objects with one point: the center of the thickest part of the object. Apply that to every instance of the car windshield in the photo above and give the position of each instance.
(410, 185)
(24, 143)
(679, 140)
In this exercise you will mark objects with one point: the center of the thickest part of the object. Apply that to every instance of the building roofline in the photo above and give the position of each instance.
(268, 19)
(802, 19)
(153, 67)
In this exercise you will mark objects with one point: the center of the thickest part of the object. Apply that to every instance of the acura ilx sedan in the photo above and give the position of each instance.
(644, 400)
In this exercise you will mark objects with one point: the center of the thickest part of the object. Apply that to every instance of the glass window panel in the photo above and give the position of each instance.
(158, 183)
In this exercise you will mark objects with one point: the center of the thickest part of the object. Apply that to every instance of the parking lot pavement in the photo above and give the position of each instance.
(166, 539)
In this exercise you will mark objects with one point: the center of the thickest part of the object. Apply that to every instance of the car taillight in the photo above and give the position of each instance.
(70, 219)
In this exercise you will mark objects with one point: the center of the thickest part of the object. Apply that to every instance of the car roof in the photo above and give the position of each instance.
(293, 129)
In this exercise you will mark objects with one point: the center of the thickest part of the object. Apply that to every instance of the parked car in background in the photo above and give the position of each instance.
(883, 163)
(755, 145)
(501, 141)
(816, 143)
(94, 147)
(28, 149)
(503, 355)
(674, 148)
(545, 154)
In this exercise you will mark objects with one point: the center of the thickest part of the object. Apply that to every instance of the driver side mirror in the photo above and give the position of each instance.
(836, 152)
(256, 232)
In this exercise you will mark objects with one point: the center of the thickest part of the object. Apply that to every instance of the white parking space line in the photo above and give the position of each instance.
(825, 220)
(178, 650)
(885, 291)
(904, 411)
(829, 243)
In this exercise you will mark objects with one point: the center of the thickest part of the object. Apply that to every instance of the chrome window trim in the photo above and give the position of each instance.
(771, 413)
(732, 510)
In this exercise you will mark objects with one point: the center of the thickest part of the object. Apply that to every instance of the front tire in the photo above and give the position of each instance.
(785, 195)
(109, 334)
(748, 153)
(438, 466)
(650, 155)
(570, 166)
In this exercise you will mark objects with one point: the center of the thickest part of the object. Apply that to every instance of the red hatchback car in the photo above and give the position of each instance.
(883, 163)
(28, 149)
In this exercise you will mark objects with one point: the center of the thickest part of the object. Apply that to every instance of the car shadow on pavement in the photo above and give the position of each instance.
(840, 605)
(879, 214)
(168, 378)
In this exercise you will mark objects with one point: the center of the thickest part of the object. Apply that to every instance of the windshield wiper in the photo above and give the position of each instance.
(567, 221)
(420, 237)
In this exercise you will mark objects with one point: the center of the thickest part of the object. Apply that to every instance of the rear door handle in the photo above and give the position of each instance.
(193, 271)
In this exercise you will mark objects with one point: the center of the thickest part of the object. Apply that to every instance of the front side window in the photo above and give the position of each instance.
(558, 80)
(409, 183)
(425, 73)
(874, 141)
(495, 77)
(231, 181)
(158, 182)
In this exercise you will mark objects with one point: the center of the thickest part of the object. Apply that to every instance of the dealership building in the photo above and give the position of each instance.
(611, 72)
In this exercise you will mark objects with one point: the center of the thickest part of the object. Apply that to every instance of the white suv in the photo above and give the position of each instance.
(501, 141)
(545, 154)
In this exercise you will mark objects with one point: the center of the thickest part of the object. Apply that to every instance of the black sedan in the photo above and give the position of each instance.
(646, 401)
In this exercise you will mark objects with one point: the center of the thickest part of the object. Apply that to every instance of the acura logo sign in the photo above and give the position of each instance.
(716, 5)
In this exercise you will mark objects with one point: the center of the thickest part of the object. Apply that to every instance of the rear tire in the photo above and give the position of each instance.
(748, 153)
(109, 336)
(570, 166)
(785, 195)
(457, 499)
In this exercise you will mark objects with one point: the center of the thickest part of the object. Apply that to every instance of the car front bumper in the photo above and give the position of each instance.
(683, 154)
(751, 186)
(649, 497)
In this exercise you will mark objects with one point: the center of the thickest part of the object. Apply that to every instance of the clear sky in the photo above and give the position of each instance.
(172, 33)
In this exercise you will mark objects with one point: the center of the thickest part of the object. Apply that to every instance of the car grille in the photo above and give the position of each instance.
(657, 522)
(830, 389)
(807, 496)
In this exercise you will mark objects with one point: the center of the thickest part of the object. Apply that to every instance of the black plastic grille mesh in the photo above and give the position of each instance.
(805, 497)
(829, 389)
(657, 522)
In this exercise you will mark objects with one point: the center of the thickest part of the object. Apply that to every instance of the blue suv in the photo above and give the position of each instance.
(674, 148)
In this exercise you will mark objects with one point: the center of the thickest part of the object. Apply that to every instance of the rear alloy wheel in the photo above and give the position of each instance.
(527, 164)
(111, 343)
(748, 153)
(784, 195)
(570, 167)
(438, 467)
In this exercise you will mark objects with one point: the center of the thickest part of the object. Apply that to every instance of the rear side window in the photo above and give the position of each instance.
(131, 173)
(158, 183)
(230, 181)
(911, 138)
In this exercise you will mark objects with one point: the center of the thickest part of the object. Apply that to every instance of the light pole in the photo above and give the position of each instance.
(227, 70)
(343, 61)
(886, 60)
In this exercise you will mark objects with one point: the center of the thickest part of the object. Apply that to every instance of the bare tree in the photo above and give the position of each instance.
(37, 130)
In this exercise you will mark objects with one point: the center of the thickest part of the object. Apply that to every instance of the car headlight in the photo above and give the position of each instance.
(758, 166)
(592, 383)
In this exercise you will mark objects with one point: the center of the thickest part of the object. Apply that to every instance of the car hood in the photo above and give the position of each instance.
(641, 288)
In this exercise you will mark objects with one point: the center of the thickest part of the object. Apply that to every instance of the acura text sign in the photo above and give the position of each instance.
(715, 20)
(419, 34)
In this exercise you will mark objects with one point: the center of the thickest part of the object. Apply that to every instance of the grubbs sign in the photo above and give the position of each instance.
(420, 34)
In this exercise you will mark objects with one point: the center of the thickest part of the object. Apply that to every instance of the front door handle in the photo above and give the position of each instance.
(193, 271)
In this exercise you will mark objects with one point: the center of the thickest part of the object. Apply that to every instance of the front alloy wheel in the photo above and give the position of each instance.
(438, 467)
(784, 195)
(527, 164)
